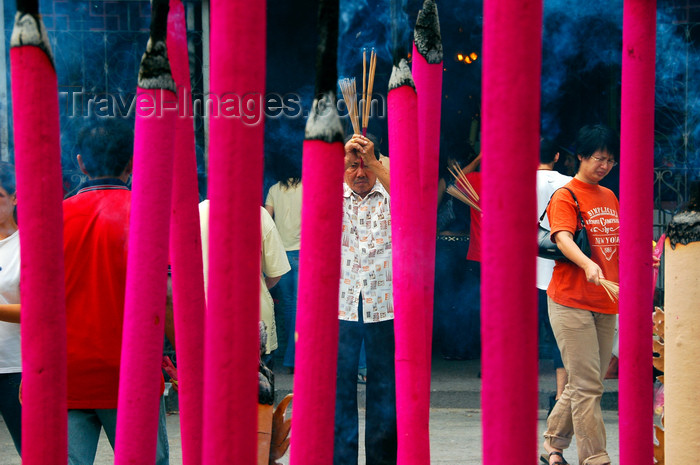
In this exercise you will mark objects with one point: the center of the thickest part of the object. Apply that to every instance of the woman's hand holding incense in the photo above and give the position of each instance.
(593, 272)
(565, 242)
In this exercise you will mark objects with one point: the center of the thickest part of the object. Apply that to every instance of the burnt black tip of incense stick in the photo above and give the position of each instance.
(401, 76)
(399, 53)
(427, 33)
(324, 123)
(327, 50)
(28, 6)
(684, 228)
(154, 72)
(159, 19)
(29, 30)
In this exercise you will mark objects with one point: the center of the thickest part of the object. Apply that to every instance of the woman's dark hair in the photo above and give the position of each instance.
(593, 138)
(291, 182)
(7, 178)
(287, 171)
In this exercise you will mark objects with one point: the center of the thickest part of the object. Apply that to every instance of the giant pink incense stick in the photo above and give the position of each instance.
(319, 261)
(511, 116)
(427, 74)
(682, 335)
(38, 164)
(147, 260)
(413, 392)
(636, 200)
(235, 191)
(317, 311)
(186, 249)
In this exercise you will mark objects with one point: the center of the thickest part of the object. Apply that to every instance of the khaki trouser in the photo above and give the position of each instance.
(585, 339)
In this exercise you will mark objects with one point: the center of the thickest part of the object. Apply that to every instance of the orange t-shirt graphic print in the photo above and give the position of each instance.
(600, 211)
(604, 228)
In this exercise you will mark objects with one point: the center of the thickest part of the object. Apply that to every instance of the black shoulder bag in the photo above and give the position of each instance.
(548, 249)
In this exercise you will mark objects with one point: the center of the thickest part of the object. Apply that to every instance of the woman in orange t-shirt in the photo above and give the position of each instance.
(581, 312)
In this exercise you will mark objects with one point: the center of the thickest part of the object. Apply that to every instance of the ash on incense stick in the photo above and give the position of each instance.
(427, 33)
(154, 72)
(266, 378)
(401, 76)
(30, 30)
(324, 123)
(684, 228)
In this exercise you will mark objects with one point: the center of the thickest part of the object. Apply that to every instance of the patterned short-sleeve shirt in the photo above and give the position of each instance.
(366, 256)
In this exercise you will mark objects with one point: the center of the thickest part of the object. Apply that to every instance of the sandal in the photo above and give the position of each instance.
(545, 458)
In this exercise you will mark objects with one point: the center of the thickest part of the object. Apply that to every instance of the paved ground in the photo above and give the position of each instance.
(455, 419)
(455, 439)
(456, 384)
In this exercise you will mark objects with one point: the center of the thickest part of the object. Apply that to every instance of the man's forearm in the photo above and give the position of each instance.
(10, 313)
(382, 175)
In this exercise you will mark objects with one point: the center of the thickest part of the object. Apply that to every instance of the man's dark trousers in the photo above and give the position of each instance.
(380, 423)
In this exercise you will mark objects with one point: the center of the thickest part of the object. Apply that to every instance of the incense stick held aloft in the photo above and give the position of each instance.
(367, 96)
(349, 90)
(462, 189)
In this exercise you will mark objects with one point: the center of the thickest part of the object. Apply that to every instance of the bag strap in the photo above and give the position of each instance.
(578, 207)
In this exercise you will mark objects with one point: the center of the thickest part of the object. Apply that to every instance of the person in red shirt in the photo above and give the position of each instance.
(95, 235)
(582, 314)
(473, 304)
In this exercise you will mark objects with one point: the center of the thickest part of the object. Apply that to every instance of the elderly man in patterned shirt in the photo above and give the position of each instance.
(366, 309)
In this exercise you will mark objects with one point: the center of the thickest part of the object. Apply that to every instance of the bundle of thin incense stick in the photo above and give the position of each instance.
(367, 86)
(612, 289)
(462, 189)
(349, 90)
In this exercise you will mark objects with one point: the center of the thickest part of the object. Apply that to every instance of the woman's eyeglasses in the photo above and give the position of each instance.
(604, 161)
